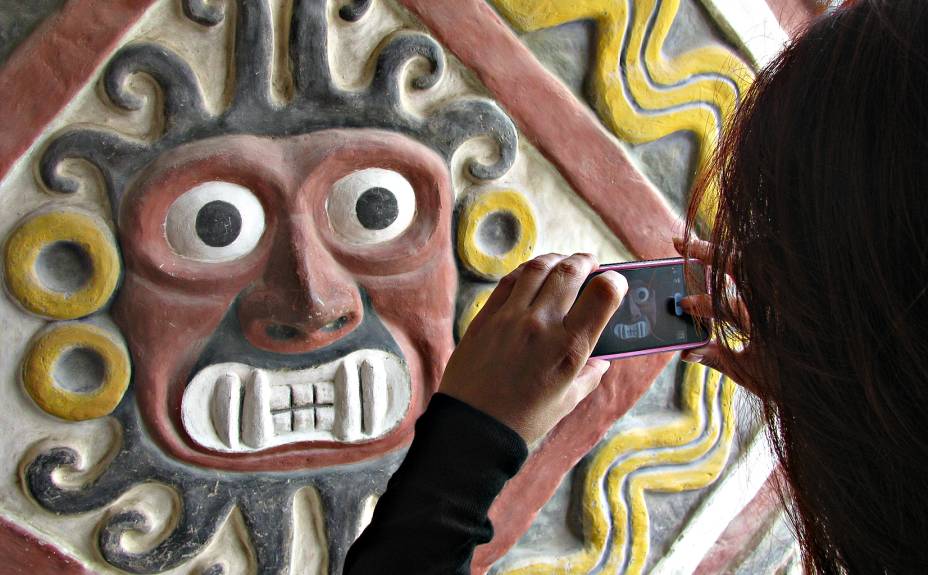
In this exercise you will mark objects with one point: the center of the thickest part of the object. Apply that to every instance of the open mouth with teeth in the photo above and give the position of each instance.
(637, 330)
(237, 408)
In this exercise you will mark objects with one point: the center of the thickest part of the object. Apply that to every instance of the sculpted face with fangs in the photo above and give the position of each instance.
(288, 301)
(289, 285)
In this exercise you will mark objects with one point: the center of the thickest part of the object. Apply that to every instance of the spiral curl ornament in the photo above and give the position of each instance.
(317, 103)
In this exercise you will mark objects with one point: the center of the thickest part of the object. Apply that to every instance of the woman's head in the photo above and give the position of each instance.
(822, 222)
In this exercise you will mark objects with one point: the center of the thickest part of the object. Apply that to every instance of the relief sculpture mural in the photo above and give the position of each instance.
(238, 252)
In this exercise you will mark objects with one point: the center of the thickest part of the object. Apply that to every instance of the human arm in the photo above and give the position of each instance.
(434, 511)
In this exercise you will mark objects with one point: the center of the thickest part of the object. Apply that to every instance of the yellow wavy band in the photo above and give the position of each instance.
(688, 453)
(638, 93)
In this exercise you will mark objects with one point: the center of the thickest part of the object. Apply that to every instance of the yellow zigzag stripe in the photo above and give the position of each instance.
(685, 99)
(695, 434)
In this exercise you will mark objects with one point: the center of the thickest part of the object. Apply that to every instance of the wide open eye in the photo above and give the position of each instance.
(215, 222)
(641, 295)
(371, 206)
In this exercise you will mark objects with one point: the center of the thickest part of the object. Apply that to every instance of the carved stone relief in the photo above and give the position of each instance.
(238, 258)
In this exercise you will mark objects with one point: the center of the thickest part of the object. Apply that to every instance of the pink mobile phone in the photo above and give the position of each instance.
(650, 319)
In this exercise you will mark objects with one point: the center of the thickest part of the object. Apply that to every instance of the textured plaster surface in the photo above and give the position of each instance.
(755, 519)
(566, 51)
(23, 554)
(18, 19)
(772, 552)
(751, 25)
(670, 161)
(557, 530)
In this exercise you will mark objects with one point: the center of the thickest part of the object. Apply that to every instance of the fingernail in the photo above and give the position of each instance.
(692, 357)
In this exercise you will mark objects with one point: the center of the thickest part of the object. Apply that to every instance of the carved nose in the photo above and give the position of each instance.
(297, 322)
(305, 301)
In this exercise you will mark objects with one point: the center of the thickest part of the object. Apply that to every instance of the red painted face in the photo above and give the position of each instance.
(292, 285)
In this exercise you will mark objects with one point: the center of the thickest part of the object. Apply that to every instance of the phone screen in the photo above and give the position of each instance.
(650, 316)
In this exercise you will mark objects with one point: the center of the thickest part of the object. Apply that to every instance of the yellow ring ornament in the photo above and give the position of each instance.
(25, 245)
(476, 210)
(48, 349)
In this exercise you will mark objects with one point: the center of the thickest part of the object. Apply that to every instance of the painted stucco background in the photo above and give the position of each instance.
(19, 19)
(241, 238)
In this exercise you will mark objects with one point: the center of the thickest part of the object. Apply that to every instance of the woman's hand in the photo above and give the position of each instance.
(733, 362)
(525, 358)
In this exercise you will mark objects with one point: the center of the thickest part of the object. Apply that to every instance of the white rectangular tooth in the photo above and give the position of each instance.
(283, 422)
(280, 397)
(347, 401)
(325, 418)
(302, 394)
(226, 403)
(374, 395)
(303, 420)
(257, 422)
(325, 393)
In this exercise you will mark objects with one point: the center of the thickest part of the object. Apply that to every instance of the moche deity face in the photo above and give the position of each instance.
(288, 302)
(638, 317)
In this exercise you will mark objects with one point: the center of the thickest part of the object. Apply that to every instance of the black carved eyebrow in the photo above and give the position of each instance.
(317, 103)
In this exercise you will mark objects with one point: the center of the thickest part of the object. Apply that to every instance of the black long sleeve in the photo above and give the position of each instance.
(434, 511)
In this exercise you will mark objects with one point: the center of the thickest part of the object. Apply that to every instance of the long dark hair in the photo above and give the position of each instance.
(822, 223)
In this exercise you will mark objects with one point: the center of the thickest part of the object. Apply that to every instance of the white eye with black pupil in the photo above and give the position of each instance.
(215, 222)
(641, 295)
(371, 206)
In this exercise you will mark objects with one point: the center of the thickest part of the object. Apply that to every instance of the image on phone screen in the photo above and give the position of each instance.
(650, 316)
